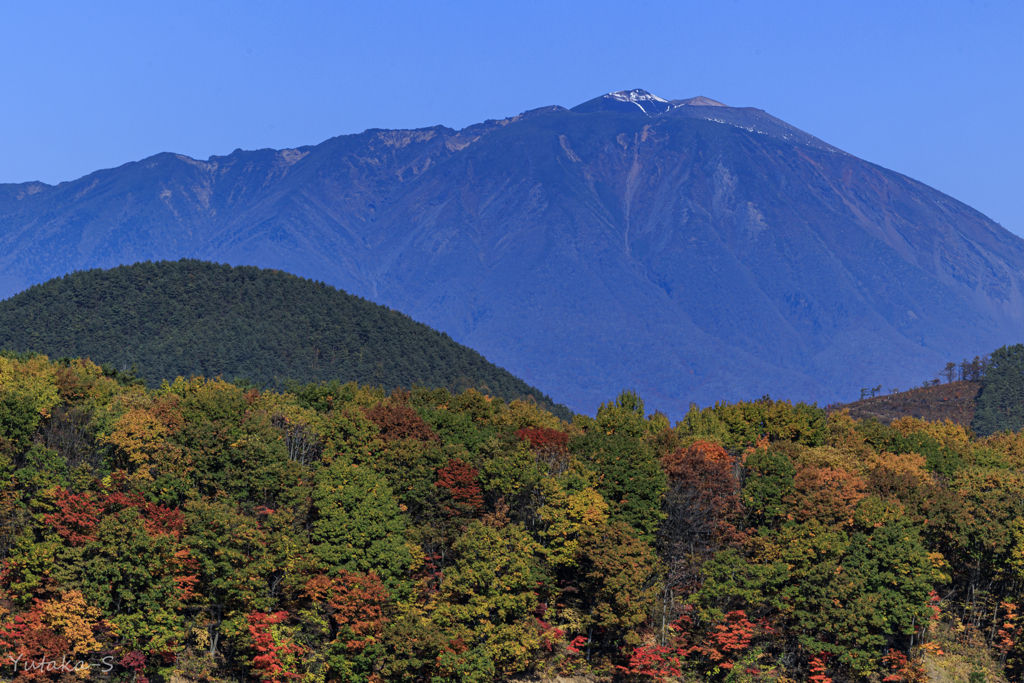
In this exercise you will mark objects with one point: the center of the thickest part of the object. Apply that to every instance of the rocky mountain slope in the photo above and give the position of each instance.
(687, 249)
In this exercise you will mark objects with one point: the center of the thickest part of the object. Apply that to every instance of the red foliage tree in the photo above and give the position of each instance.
(76, 517)
(355, 602)
(461, 490)
(544, 438)
(826, 494)
(902, 669)
(32, 647)
(269, 664)
(658, 662)
(135, 662)
(721, 648)
(550, 445)
(819, 670)
(702, 505)
(78, 514)
(728, 639)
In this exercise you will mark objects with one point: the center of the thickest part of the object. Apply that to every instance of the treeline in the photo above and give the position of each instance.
(192, 317)
(337, 533)
(966, 370)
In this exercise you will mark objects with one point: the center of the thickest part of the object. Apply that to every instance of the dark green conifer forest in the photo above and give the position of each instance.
(1001, 399)
(265, 327)
(203, 530)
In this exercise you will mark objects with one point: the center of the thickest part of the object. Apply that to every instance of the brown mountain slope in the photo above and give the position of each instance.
(953, 401)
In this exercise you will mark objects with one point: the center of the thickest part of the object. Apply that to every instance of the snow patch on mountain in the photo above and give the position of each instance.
(634, 96)
(646, 102)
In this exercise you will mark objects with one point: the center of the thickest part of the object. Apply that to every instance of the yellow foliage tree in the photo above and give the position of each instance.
(1009, 444)
(141, 439)
(34, 380)
(522, 414)
(948, 433)
(73, 618)
(565, 516)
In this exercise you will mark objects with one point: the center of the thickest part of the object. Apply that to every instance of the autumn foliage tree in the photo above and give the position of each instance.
(702, 508)
(211, 531)
(354, 605)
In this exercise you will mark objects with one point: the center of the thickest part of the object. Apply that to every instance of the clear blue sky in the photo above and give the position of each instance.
(930, 89)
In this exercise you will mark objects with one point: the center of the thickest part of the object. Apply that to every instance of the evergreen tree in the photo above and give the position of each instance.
(1000, 404)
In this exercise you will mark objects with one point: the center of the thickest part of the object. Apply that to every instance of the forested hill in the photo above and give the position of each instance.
(192, 317)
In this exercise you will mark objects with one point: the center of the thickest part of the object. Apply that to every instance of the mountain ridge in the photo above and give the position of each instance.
(694, 255)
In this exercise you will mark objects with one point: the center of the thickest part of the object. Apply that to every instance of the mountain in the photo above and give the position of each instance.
(195, 318)
(683, 248)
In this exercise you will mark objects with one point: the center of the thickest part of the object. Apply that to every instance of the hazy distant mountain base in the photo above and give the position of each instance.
(194, 318)
(689, 250)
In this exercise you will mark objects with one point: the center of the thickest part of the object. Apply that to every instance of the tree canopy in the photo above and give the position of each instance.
(206, 530)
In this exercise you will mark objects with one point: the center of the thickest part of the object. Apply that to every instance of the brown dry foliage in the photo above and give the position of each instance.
(398, 421)
(702, 506)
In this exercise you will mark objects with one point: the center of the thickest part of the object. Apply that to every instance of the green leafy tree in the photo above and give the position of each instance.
(126, 558)
(973, 525)
(357, 525)
(142, 578)
(770, 480)
(740, 425)
(619, 578)
(624, 416)
(572, 508)
(487, 599)
(850, 595)
(28, 392)
(853, 595)
(231, 550)
(512, 473)
(629, 477)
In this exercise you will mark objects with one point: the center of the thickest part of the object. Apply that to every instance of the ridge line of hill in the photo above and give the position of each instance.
(267, 327)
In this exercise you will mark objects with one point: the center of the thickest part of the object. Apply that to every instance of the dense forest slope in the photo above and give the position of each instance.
(694, 251)
(193, 318)
(334, 533)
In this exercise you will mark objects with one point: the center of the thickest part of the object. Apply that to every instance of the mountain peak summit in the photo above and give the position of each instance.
(636, 101)
(639, 102)
(699, 101)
